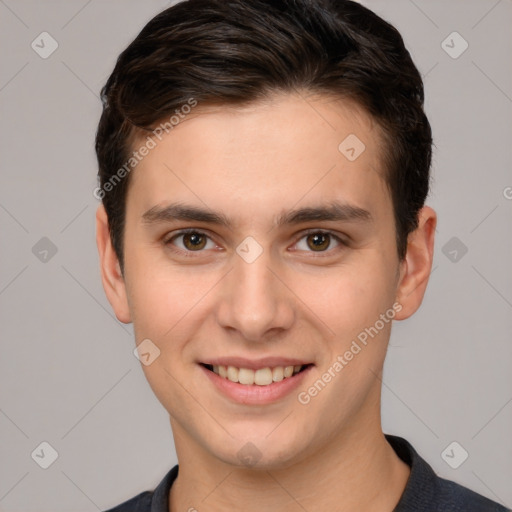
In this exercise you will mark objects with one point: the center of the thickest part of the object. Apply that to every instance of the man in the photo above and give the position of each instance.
(263, 170)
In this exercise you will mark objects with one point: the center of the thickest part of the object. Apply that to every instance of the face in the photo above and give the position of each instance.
(259, 247)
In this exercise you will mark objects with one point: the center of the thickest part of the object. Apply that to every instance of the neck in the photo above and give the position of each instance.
(353, 472)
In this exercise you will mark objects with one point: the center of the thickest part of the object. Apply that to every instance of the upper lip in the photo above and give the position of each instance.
(255, 364)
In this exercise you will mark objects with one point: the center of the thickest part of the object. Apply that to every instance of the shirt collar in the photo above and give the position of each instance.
(421, 485)
(421, 489)
(160, 499)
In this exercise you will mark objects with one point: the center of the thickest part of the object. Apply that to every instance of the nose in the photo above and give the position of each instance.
(254, 300)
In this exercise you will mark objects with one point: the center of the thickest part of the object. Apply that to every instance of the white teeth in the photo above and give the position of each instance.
(232, 374)
(278, 374)
(246, 376)
(260, 377)
(263, 377)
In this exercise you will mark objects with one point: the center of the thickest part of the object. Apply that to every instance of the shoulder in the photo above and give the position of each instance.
(140, 503)
(427, 492)
(455, 497)
(150, 501)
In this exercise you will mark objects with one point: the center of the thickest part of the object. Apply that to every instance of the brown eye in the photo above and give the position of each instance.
(191, 241)
(319, 241)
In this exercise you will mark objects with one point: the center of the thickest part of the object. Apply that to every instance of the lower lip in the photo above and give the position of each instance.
(254, 394)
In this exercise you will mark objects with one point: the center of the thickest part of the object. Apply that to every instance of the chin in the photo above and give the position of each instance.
(261, 452)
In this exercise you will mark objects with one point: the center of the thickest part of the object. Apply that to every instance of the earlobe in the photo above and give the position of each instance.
(416, 267)
(111, 276)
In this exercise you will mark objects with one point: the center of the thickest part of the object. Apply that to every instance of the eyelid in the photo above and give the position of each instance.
(173, 234)
(303, 234)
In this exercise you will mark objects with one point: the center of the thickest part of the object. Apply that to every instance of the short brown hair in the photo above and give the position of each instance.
(239, 51)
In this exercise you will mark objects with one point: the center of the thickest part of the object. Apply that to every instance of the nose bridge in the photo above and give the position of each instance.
(254, 300)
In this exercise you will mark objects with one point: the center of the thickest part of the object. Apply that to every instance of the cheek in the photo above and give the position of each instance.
(161, 312)
(349, 297)
(158, 305)
(170, 306)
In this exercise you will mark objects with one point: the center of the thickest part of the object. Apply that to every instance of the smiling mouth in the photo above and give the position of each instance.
(261, 377)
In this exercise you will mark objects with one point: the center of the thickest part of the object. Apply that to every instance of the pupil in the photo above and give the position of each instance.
(194, 241)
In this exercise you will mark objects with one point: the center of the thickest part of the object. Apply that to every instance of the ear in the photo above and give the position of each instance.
(416, 267)
(111, 276)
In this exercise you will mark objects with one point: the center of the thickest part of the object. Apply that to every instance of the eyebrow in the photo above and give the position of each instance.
(334, 211)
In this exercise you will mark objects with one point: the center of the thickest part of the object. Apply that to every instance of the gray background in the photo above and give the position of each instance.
(68, 375)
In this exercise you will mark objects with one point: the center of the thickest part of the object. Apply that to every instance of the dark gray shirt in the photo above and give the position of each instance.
(424, 492)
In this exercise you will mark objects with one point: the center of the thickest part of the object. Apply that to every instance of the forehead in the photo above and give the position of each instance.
(266, 156)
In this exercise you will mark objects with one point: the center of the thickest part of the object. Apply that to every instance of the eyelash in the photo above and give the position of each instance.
(188, 254)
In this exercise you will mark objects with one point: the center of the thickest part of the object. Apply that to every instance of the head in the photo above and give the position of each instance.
(289, 139)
